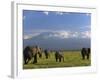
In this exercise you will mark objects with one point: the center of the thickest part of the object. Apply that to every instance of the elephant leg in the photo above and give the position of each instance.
(60, 59)
(25, 60)
(28, 59)
(88, 56)
(35, 59)
(83, 56)
(46, 56)
(40, 55)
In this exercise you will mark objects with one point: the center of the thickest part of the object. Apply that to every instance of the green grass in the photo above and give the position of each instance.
(71, 59)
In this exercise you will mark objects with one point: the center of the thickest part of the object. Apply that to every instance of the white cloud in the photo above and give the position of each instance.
(46, 12)
(86, 34)
(58, 34)
(59, 13)
(86, 27)
(75, 34)
(62, 34)
(87, 14)
(69, 34)
(29, 36)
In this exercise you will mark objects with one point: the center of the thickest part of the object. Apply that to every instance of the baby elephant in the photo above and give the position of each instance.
(59, 56)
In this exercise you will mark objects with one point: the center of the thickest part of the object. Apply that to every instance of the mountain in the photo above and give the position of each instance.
(56, 40)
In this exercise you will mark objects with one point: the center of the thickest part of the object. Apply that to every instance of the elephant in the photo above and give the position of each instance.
(85, 52)
(59, 56)
(31, 52)
(27, 54)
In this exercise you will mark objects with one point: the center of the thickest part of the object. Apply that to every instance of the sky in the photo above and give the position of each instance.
(58, 25)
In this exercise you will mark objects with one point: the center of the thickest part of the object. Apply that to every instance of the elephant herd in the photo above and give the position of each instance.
(32, 53)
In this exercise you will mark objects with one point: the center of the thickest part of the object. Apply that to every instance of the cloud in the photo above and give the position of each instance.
(59, 13)
(46, 12)
(69, 34)
(29, 36)
(59, 34)
(62, 34)
(86, 34)
(75, 35)
(86, 27)
(87, 14)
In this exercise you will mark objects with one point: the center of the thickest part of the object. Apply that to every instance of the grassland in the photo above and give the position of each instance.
(71, 59)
